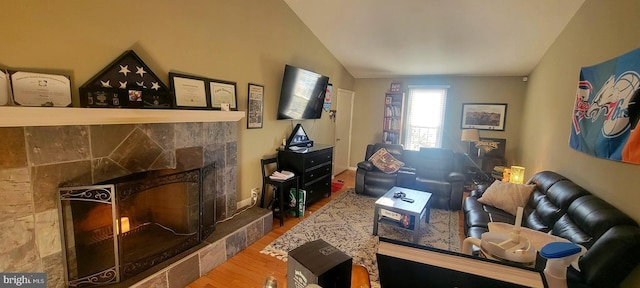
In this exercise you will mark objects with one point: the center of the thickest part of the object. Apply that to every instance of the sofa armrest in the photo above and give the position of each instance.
(366, 165)
(612, 257)
(456, 176)
(477, 193)
(457, 187)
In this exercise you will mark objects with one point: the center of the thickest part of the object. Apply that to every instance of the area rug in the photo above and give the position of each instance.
(347, 223)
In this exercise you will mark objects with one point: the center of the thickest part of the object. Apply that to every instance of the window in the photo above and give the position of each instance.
(425, 116)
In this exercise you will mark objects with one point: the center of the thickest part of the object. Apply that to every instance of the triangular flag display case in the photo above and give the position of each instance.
(125, 83)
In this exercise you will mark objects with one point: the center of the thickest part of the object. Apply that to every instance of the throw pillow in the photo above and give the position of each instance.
(507, 196)
(384, 161)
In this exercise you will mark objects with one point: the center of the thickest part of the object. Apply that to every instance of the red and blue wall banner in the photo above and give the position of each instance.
(327, 97)
(607, 108)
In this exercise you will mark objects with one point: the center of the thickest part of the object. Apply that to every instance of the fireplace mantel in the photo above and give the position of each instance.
(64, 116)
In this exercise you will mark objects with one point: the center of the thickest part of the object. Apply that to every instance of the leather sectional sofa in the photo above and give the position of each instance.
(562, 208)
(435, 170)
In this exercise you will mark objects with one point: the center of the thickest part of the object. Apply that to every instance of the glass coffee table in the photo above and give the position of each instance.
(417, 209)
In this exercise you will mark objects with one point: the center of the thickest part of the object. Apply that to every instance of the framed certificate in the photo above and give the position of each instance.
(223, 92)
(39, 89)
(255, 106)
(4, 88)
(189, 92)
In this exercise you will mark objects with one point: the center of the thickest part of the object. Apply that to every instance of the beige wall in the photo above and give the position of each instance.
(369, 103)
(599, 31)
(241, 41)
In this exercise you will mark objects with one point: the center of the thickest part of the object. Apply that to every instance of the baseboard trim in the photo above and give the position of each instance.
(243, 203)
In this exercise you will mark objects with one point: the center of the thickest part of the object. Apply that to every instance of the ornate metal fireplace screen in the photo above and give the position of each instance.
(115, 230)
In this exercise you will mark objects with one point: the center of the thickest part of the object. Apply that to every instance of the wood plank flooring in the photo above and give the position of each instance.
(250, 268)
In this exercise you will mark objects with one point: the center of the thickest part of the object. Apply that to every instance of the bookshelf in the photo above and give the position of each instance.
(393, 116)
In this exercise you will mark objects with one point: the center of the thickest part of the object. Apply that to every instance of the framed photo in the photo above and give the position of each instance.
(493, 147)
(395, 87)
(190, 92)
(39, 89)
(223, 92)
(255, 106)
(5, 96)
(484, 116)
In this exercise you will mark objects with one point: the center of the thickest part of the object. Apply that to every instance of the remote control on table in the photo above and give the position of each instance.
(407, 199)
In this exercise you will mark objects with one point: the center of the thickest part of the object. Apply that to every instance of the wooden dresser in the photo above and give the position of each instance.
(314, 166)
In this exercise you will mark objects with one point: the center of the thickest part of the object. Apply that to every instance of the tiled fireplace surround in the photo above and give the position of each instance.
(34, 161)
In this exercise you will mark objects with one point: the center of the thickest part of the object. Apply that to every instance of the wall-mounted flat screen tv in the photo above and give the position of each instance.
(302, 94)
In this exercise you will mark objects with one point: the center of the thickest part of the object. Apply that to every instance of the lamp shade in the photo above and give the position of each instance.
(517, 174)
(470, 135)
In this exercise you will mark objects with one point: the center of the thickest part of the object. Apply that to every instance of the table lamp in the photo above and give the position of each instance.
(517, 174)
(470, 135)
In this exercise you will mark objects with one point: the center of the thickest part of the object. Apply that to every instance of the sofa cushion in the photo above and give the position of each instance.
(591, 217)
(384, 161)
(507, 196)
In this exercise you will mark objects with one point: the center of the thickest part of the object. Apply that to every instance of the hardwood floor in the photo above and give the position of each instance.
(250, 268)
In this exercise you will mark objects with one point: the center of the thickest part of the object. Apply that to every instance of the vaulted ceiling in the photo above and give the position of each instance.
(384, 38)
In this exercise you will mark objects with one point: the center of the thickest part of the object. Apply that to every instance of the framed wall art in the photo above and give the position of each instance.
(5, 86)
(223, 92)
(126, 82)
(395, 87)
(190, 92)
(255, 106)
(40, 89)
(484, 116)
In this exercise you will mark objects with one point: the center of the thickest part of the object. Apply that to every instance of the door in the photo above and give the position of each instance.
(344, 110)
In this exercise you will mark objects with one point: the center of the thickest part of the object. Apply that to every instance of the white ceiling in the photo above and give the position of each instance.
(390, 38)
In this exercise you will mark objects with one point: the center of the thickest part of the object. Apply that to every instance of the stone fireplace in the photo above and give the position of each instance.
(124, 226)
(35, 161)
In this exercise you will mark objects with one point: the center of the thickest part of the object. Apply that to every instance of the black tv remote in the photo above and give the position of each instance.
(407, 199)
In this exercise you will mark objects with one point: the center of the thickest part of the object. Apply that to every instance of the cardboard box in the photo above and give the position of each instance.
(317, 262)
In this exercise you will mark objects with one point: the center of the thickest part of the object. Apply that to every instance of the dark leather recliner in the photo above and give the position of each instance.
(370, 180)
(436, 172)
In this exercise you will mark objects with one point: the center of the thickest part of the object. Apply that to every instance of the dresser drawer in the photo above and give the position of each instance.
(323, 170)
(318, 158)
(318, 189)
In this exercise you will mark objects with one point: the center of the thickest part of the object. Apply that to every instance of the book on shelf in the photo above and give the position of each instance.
(392, 111)
(390, 137)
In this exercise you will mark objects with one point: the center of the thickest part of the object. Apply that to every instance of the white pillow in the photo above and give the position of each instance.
(507, 196)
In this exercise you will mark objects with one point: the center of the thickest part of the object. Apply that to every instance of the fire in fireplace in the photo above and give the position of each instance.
(121, 227)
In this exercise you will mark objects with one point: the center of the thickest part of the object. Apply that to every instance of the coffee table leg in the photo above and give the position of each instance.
(416, 229)
(427, 212)
(375, 221)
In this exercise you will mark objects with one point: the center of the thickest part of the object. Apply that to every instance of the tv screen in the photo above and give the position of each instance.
(302, 94)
